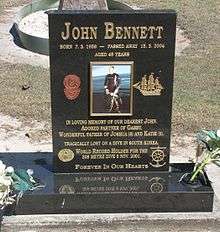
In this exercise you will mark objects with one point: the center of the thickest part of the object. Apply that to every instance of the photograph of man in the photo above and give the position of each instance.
(111, 88)
(112, 97)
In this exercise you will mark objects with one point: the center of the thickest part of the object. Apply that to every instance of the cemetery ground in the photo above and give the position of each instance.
(25, 96)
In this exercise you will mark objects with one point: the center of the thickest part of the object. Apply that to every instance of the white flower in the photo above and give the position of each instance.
(218, 132)
(5, 185)
(10, 169)
(5, 180)
(2, 194)
(30, 172)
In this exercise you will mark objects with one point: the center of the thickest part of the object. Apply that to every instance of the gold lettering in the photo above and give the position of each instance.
(144, 33)
(159, 29)
(119, 32)
(93, 31)
(127, 32)
(76, 33)
(151, 30)
(112, 32)
(66, 35)
(109, 30)
(85, 33)
(135, 32)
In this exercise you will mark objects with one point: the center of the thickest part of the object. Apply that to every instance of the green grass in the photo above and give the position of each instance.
(33, 103)
(196, 94)
(196, 101)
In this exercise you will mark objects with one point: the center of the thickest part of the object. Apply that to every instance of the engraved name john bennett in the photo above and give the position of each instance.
(112, 31)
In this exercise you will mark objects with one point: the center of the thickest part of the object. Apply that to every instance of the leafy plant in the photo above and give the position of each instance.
(14, 183)
(208, 149)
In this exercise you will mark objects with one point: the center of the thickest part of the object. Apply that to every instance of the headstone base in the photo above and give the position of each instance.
(108, 192)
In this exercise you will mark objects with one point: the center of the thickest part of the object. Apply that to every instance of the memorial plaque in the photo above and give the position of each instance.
(111, 183)
(111, 85)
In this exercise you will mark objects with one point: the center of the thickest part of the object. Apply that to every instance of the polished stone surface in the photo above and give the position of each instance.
(133, 132)
(107, 192)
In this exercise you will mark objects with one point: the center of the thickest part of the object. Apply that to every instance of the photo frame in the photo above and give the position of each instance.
(111, 88)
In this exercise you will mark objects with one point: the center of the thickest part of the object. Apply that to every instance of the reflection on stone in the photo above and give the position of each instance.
(110, 183)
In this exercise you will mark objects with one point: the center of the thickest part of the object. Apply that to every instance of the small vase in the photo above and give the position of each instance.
(198, 182)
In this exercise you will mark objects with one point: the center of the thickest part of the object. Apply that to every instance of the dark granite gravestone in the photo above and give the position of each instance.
(111, 85)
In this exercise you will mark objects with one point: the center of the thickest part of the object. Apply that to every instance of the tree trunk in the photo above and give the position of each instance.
(83, 5)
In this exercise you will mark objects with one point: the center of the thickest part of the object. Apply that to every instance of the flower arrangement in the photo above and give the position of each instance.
(209, 151)
(14, 183)
(6, 196)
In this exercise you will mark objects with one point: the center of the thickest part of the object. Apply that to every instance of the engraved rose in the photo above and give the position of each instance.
(71, 94)
(72, 82)
(71, 86)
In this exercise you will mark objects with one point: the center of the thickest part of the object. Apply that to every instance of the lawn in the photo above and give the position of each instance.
(196, 102)
(25, 91)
